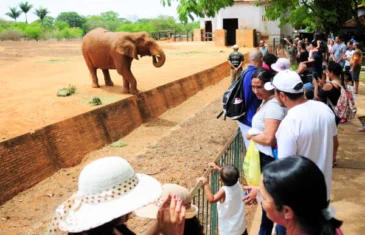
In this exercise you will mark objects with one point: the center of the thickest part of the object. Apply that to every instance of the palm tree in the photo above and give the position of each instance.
(25, 6)
(41, 13)
(13, 13)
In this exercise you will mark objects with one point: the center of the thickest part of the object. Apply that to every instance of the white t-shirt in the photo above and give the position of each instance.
(348, 54)
(231, 213)
(308, 130)
(270, 110)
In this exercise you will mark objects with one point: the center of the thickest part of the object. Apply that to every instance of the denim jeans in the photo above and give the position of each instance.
(266, 224)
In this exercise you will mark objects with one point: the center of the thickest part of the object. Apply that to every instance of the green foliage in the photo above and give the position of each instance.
(202, 8)
(110, 16)
(63, 92)
(72, 18)
(95, 101)
(25, 7)
(41, 12)
(34, 31)
(47, 22)
(13, 13)
(71, 33)
(118, 144)
(60, 25)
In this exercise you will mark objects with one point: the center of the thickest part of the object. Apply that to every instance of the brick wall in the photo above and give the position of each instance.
(28, 159)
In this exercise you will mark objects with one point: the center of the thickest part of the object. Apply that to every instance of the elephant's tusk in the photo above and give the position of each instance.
(158, 56)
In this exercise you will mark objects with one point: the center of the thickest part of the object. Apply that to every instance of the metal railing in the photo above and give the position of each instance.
(232, 153)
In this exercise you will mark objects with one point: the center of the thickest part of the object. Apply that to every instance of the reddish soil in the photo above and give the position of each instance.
(32, 72)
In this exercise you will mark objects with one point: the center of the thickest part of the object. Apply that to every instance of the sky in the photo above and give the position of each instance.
(125, 8)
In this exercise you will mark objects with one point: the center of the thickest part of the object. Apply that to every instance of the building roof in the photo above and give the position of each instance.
(352, 23)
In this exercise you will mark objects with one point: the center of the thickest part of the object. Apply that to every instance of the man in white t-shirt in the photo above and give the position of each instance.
(309, 127)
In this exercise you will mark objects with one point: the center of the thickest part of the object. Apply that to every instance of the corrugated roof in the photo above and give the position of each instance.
(352, 23)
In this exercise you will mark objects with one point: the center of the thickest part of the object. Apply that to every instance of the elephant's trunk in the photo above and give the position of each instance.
(159, 60)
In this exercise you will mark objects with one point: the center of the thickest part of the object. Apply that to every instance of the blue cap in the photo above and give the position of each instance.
(308, 86)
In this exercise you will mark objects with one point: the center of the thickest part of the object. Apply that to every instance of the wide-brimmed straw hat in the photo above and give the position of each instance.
(151, 210)
(108, 188)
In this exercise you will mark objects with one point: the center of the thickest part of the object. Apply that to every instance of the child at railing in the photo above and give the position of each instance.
(231, 210)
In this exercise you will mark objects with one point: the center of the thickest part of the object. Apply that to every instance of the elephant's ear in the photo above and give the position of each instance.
(127, 47)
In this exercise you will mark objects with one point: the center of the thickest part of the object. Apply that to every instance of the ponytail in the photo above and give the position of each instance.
(329, 226)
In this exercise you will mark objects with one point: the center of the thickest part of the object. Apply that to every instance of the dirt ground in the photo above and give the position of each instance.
(165, 139)
(32, 72)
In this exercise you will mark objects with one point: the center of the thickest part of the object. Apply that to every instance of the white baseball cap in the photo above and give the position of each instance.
(286, 81)
(281, 64)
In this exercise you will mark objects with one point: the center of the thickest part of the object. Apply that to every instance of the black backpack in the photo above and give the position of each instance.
(233, 99)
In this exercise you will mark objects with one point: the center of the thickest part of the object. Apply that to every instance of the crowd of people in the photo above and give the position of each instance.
(289, 117)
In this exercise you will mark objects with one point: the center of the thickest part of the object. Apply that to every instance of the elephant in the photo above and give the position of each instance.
(106, 50)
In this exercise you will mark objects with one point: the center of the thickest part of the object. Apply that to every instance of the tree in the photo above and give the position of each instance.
(41, 13)
(47, 21)
(202, 8)
(110, 16)
(320, 15)
(13, 13)
(25, 7)
(72, 18)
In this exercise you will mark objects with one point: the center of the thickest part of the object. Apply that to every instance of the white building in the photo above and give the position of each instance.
(245, 15)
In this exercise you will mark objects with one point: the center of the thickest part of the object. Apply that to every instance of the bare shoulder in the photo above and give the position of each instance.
(327, 86)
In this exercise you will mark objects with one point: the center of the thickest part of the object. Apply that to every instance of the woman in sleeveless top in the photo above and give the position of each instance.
(330, 93)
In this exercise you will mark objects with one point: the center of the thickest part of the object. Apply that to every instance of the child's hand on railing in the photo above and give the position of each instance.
(214, 166)
(203, 180)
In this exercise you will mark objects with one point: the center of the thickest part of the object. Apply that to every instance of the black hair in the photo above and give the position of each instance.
(298, 183)
(314, 43)
(107, 229)
(350, 43)
(263, 75)
(302, 45)
(309, 95)
(270, 59)
(229, 175)
(336, 69)
(193, 227)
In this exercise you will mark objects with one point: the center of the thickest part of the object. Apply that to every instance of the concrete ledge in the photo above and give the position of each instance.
(30, 158)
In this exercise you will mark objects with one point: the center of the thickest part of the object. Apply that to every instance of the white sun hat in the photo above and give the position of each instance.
(286, 81)
(108, 188)
(150, 211)
(281, 64)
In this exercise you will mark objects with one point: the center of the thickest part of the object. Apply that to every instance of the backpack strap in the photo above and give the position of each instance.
(243, 75)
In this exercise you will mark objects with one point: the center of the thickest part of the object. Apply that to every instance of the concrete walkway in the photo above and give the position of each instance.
(348, 187)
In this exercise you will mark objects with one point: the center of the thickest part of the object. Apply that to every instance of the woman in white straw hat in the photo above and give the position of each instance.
(192, 223)
(108, 191)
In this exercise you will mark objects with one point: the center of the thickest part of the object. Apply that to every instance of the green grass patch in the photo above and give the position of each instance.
(95, 101)
(53, 61)
(63, 92)
(118, 144)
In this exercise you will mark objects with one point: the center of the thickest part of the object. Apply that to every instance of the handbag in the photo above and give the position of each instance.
(251, 165)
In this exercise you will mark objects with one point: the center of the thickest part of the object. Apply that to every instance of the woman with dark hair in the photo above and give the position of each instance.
(265, 123)
(293, 193)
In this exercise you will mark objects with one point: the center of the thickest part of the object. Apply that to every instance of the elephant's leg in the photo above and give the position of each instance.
(108, 80)
(125, 89)
(92, 70)
(133, 83)
(94, 78)
(129, 82)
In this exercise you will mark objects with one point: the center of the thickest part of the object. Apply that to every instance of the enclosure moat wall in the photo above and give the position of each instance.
(30, 158)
